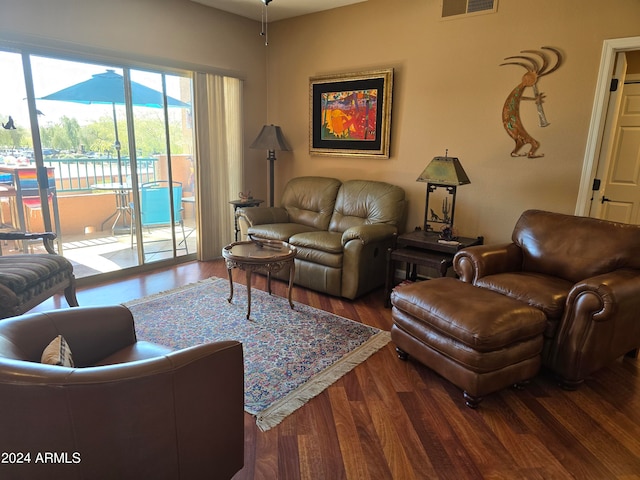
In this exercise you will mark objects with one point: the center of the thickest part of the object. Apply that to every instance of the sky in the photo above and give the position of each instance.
(51, 75)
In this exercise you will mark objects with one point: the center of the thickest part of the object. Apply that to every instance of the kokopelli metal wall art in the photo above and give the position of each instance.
(537, 65)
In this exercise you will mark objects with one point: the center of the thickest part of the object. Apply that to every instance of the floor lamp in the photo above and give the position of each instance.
(271, 139)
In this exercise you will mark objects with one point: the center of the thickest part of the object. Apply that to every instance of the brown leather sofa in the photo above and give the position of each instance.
(583, 273)
(128, 410)
(341, 231)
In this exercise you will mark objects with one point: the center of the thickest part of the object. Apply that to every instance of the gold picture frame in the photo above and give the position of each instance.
(350, 114)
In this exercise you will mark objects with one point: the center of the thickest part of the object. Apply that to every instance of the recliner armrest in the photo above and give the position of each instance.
(369, 233)
(475, 262)
(262, 215)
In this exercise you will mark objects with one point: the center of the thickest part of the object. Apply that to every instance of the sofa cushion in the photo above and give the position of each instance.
(326, 241)
(323, 248)
(366, 202)
(279, 231)
(319, 258)
(29, 275)
(310, 200)
(575, 248)
(544, 292)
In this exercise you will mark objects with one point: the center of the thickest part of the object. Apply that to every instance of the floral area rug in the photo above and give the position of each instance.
(290, 356)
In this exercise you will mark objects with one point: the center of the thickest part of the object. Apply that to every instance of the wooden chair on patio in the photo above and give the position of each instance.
(26, 280)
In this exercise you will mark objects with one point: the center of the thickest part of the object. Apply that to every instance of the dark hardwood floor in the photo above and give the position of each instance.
(389, 419)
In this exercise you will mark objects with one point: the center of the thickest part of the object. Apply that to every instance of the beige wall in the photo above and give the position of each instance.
(449, 88)
(449, 92)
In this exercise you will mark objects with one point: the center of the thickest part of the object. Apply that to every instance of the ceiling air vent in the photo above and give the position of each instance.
(452, 8)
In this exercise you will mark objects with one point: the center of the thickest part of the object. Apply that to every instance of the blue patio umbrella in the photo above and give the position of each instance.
(108, 88)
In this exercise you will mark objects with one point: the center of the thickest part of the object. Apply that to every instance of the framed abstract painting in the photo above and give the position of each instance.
(351, 114)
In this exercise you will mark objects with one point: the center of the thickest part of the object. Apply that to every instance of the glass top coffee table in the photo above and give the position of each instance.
(263, 256)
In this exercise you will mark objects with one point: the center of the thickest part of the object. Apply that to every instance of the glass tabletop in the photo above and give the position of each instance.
(259, 251)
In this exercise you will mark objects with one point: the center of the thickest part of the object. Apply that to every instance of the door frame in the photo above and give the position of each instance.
(610, 50)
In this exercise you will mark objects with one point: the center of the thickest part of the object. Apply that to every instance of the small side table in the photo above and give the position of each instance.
(265, 256)
(253, 202)
(423, 248)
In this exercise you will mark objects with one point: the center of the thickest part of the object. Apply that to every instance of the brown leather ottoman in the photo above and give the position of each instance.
(479, 340)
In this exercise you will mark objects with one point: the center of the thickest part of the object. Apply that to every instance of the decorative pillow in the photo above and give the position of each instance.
(58, 353)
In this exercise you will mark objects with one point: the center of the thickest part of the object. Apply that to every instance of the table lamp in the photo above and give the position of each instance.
(442, 172)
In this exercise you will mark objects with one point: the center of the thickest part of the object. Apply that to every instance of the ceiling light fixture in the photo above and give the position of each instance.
(265, 21)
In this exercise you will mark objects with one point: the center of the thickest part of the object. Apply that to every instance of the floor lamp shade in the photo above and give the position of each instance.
(271, 139)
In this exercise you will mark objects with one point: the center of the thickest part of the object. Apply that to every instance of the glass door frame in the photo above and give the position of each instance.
(42, 173)
(135, 184)
(50, 221)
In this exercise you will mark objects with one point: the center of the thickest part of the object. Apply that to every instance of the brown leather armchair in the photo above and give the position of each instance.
(583, 273)
(129, 409)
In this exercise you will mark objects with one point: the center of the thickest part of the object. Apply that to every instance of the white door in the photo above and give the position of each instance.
(603, 128)
(619, 198)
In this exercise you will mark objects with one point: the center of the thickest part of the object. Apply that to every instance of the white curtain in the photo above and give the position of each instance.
(219, 147)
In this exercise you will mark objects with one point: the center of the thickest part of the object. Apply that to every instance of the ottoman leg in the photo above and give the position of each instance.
(569, 385)
(471, 401)
(402, 355)
(521, 385)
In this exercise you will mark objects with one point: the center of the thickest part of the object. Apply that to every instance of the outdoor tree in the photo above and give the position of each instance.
(64, 135)
(99, 136)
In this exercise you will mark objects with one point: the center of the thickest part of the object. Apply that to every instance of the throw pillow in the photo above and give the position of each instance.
(58, 353)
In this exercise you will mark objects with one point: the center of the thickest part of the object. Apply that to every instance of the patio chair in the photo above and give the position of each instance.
(8, 197)
(26, 280)
(19, 187)
(154, 199)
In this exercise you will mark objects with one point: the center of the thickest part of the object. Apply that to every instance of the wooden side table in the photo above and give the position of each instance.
(264, 256)
(423, 248)
(240, 204)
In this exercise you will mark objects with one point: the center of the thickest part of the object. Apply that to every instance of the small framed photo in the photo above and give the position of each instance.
(351, 114)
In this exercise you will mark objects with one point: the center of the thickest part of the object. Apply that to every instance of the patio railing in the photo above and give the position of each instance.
(77, 174)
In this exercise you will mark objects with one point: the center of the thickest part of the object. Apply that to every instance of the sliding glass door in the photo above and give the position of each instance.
(28, 193)
(164, 194)
(116, 145)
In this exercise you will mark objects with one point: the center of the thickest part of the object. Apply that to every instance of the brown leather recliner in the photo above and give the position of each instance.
(129, 409)
(583, 273)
